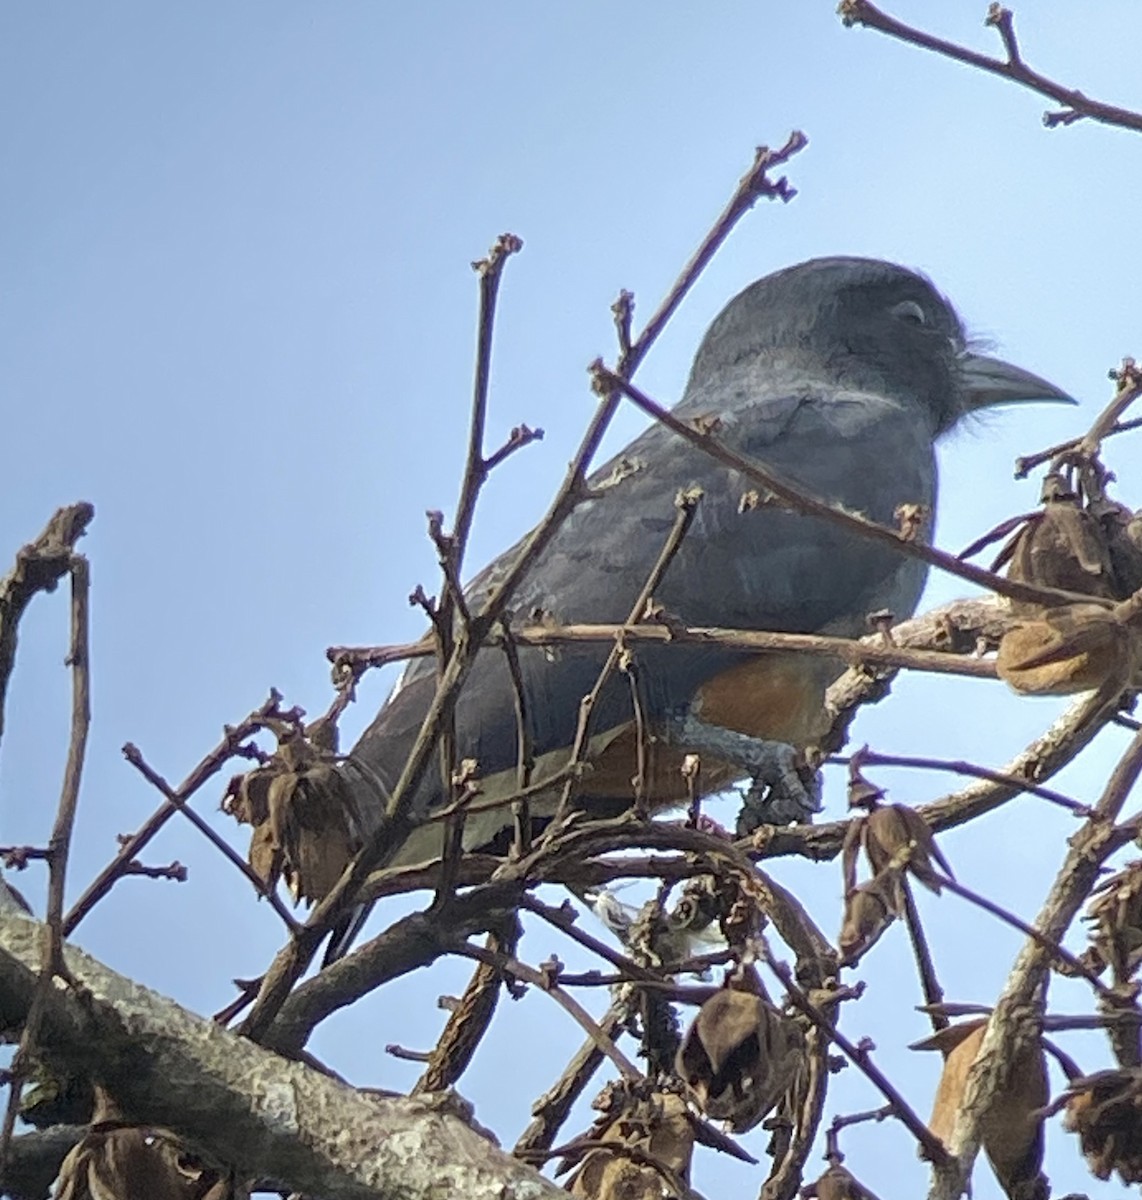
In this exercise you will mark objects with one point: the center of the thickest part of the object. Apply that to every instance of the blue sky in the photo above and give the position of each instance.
(237, 314)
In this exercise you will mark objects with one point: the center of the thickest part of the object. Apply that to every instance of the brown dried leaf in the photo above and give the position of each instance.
(1105, 1110)
(317, 836)
(1123, 532)
(1064, 548)
(869, 910)
(307, 825)
(739, 1057)
(896, 835)
(837, 1183)
(1012, 1129)
(249, 802)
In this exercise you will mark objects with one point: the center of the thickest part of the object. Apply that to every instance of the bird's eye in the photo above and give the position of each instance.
(910, 311)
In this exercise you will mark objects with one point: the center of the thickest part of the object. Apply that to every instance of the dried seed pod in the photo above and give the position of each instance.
(310, 818)
(1064, 546)
(119, 1161)
(1123, 532)
(869, 910)
(1115, 913)
(658, 1128)
(838, 1183)
(739, 1057)
(307, 824)
(1105, 1110)
(1012, 1128)
(1069, 649)
(895, 834)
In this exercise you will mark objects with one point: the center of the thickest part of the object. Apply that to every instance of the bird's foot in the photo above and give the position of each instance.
(784, 788)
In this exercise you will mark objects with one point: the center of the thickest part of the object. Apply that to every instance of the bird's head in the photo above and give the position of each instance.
(867, 323)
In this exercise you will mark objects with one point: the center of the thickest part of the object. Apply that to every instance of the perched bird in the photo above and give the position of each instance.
(837, 374)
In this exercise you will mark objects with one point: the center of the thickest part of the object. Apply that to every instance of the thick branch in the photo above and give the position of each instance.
(1098, 839)
(269, 1117)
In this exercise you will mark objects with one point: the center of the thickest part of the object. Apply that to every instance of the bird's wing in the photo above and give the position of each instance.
(760, 569)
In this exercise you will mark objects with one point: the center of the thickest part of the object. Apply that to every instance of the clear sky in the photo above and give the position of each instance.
(237, 314)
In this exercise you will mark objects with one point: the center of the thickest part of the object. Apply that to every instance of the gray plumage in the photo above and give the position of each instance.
(838, 374)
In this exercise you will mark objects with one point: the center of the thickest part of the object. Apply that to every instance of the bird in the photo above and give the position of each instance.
(838, 374)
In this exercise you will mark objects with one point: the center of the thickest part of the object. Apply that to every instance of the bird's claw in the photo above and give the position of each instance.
(784, 790)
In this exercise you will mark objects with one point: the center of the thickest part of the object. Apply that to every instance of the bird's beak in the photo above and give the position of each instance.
(987, 381)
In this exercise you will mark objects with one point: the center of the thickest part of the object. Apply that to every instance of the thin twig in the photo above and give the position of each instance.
(1076, 965)
(855, 652)
(1025, 464)
(807, 504)
(233, 743)
(512, 966)
(959, 767)
(1129, 381)
(451, 547)
(925, 966)
(564, 922)
(686, 506)
(860, 1058)
(1075, 104)
(59, 847)
(525, 753)
(553, 1107)
(293, 959)
(39, 567)
(1067, 736)
(174, 798)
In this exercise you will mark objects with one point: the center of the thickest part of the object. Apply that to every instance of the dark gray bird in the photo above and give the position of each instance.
(838, 374)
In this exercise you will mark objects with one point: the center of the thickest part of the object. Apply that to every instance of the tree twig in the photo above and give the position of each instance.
(295, 957)
(233, 743)
(1075, 104)
(59, 846)
(39, 567)
(804, 502)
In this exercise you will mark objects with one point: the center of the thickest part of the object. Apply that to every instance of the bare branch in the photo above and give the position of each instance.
(59, 847)
(1075, 104)
(803, 502)
(39, 566)
(233, 744)
(293, 958)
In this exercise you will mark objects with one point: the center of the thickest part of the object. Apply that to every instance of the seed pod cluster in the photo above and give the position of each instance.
(1063, 546)
(837, 1183)
(1072, 648)
(895, 839)
(307, 824)
(1105, 1110)
(869, 910)
(1095, 550)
